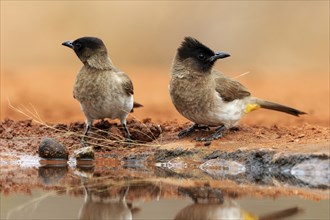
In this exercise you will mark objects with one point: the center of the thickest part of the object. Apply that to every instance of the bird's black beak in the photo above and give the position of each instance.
(68, 44)
(218, 55)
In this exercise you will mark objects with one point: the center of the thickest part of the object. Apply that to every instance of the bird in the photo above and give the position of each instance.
(211, 203)
(230, 210)
(206, 96)
(98, 205)
(102, 90)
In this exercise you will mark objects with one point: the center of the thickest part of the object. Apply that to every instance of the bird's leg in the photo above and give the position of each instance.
(192, 128)
(216, 135)
(187, 131)
(124, 194)
(127, 134)
(87, 128)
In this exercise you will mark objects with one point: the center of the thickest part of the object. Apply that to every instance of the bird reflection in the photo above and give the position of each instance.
(210, 204)
(100, 209)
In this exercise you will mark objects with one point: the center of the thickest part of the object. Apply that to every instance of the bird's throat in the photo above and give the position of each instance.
(101, 62)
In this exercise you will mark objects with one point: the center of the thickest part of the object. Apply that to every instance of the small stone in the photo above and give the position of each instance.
(277, 136)
(50, 149)
(301, 135)
(85, 153)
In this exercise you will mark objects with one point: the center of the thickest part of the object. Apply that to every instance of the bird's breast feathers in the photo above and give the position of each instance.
(102, 95)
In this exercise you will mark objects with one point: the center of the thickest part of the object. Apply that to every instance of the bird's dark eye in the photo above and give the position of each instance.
(77, 45)
(201, 56)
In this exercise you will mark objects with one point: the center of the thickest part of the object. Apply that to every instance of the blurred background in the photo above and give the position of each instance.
(283, 44)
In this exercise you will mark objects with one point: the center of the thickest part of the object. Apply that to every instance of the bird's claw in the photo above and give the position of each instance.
(184, 133)
(128, 142)
(192, 128)
(83, 142)
(209, 138)
(203, 127)
(216, 135)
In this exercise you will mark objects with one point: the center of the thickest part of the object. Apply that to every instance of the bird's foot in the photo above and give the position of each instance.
(191, 129)
(203, 127)
(209, 138)
(187, 131)
(216, 135)
(128, 142)
(83, 142)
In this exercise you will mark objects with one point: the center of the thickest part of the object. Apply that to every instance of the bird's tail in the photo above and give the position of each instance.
(136, 105)
(278, 107)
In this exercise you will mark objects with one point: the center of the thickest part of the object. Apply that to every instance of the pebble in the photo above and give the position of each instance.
(85, 153)
(50, 149)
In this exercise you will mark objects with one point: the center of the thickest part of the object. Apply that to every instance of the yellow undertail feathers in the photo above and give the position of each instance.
(249, 216)
(251, 107)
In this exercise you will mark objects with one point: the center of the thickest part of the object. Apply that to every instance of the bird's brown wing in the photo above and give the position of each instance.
(128, 88)
(126, 83)
(229, 89)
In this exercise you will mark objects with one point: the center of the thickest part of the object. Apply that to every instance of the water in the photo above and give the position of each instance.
(165, 191)
(41, 205)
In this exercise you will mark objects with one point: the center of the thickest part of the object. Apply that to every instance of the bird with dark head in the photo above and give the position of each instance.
(102, 90)
(206, 96)
(198, 56)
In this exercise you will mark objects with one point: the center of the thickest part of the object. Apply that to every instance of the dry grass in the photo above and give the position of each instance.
(32, 114)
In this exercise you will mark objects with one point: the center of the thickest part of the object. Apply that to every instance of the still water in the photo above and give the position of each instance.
(47, 205)
(35, 191)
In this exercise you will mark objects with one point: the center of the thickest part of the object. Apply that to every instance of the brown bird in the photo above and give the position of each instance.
(208, 97)
(102, 90)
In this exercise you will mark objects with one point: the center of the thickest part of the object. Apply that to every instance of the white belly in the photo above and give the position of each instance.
(110, 107)
(227, 113)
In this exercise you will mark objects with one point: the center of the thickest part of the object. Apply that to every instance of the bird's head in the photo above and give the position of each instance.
(90, 50)
(196, 56)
